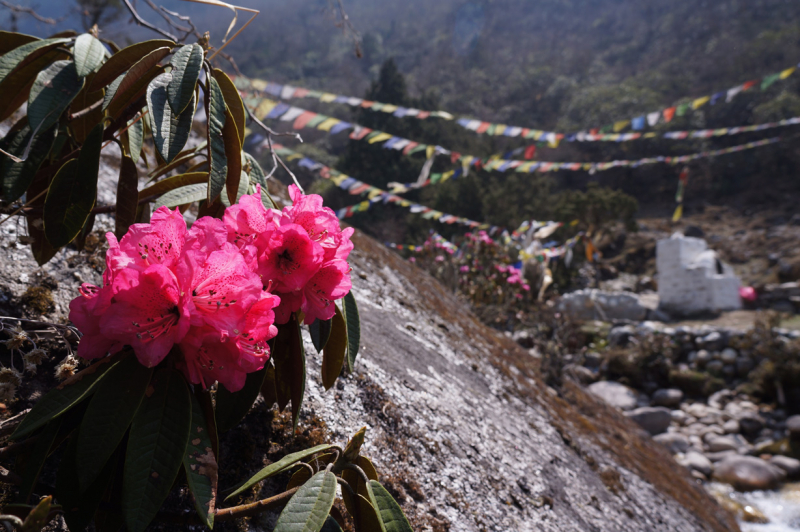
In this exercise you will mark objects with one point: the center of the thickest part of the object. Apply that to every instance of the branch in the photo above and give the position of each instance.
(275, 159)
(229, 514)
(342, 20)
(31, 12)
(142, 22)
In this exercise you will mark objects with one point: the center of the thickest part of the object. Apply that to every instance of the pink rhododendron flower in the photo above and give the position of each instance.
(439, 258)
(213, 294)
(464, 269)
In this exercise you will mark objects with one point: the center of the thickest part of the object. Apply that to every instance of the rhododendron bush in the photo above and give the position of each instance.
(192, 322)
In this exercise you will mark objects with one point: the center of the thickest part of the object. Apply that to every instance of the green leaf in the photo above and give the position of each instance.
(52, 92)
(290, 366)
(278, 467)
(135, 82)
(123, 60)
(82, 125)
(334, 352)
(233, 154)
(244, 183)
(175, 182)
(182, 196)
(135, 137)
(88, 54)
(80, 506)
(35, 459)
(232, 101)
(320, 332)
(353, 328)
(111, 91)
(170, 132)
(108, 416)
(19, 68)
(218, 161)
(390, 514)
(200, 465)
(233, 406)
(17, 177)
(127, 196)
(73, 192)
(331, 525)
(186, 64)
(10, 40)
(257, 174)
(39, 516)
(26, 54)
(308, 509)
(63, 397)
(156, 445)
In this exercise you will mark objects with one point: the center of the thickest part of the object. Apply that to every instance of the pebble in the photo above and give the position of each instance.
(673, 441)
(748, 473)
(670, 397)
(722, 443)
(703, 357)
(715, 367)
(790, 465)
(696, 462)
(729, 355)
(653, 419)
(731, 426)
(615, 394)
(750, 423)
(793, 426)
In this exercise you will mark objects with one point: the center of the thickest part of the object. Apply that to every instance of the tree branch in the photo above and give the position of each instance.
(31, 12)
(142, 22)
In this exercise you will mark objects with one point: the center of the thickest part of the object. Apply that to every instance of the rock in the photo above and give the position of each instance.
(731, 426)
(709, 432)
(673, 441)
(615, 394)
(748, 473)
(593, 304)
(620, 336)
(523, 338)
(793, 426)
(680, 417)
(703, 357)
(720, 455)
(713, 341)
(715, 367)
(670, 397)
(693, 231)
(728, 355)
(790, 465)
(744, 365)
(729, 371)
(580, 374)
(696, 462)
(592, 359)
(750, 424)
(722, 443)
(654, 420)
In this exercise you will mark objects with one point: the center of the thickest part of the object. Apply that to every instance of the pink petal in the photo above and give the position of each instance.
(331, 282)
(159, 242)
(291, 260)
(209, 357)
(207, 234)
(249, 222)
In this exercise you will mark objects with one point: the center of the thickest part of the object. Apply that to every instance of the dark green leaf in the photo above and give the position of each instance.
(82, 125)
(181, 159)
(216, 143)
(277, 467)
(135, 137)
(25, 54)
(108, 416)
(331, 525)
(320, 332)
(18, 70)
(52, 92)
(232, 101)
(257, 174)
(175, 182)
(290, 366)
(10, 40)
(127, 196)
(389, 512)
(17, 177)
(80, 507)
(200, 465)
(35, 459)
(156, 445)
(170, 132)
(186, 64)
(73, 192)
(40, 248)
(308, 509)
(88, 54)
(135, 82)
(334, 352)
(353, 328)
(233, 406)
(268, 387)
(123, 60)
(244, 182)
(233, 154)
(63, 397)
(111, 91)
(182, 196)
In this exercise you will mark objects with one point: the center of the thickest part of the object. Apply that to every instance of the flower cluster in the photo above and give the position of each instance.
(216, 290)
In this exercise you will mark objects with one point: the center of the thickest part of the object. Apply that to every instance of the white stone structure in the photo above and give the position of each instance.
(692, 279)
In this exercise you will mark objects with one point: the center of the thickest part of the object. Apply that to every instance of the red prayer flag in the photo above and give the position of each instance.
(669, 113)
(749, 84)
(301, 121)
(483, 127)
(530, 152)
(422, 115)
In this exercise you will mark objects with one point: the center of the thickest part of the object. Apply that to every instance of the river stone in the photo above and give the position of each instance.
(696, 462)
(670, 397)
(790, 465)
(748, 473)
(713, 341)
(615, 394)
(793, 426)
(673, 441)
(728, 355)
(722, 443)
(703, 357)
(731, 427)
(653, 419)
(751, 423)
(715, 367)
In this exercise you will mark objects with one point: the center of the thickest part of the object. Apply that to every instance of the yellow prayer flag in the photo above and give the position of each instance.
(650, 135)
(374, 192)
(699, 102)
(337, 179)
(264, 108)
(447, 175)
(327, 97)
(379, 138)
(389, 108)
(327, 124)
(678, 213)
(294, 156)
(258, 84)
(619, 126)
(437, 215)
(363, 206)
(429, 151)
(405, 203)
(574, 222)
(499, 129)
(788, 72)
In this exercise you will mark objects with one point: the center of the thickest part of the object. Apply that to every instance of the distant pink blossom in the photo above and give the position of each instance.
(464, 269)
(439, 258)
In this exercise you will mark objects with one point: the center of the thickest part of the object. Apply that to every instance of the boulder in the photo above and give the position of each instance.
(615, 394)
(593, 304)
(653, 419)
(673, 441)
(748, 473)
(670, 397)
(790, 465)
(722, 443)
(696, 462)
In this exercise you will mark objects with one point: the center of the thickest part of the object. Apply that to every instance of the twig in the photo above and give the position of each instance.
(229, 514)
(10, 424)
(275, 159)
(142, 22)
(187, 31)
(31, 12)
(343, 22)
